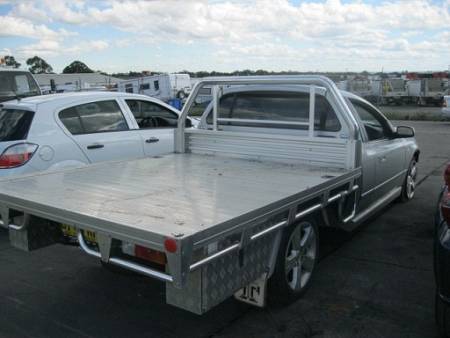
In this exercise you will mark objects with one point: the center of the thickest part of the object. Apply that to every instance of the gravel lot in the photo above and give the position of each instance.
(374, 282)
(413, 112)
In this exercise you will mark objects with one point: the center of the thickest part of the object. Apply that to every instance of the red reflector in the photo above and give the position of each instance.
(170, 245)
(150, 255)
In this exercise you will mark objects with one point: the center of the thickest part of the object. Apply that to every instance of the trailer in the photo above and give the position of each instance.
(235, 209)
(163, 86)
(391, 91)
(428, 90)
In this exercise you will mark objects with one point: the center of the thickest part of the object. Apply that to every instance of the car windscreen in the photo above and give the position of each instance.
(14, 84)
(14, 124)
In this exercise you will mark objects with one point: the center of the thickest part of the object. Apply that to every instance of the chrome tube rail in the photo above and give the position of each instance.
(21, 227)
(124, 263)
(274, 122)
(17, 227)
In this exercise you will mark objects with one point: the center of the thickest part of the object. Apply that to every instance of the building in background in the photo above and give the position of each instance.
(59, 83)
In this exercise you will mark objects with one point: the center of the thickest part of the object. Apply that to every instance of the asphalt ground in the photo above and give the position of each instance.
(374, 282)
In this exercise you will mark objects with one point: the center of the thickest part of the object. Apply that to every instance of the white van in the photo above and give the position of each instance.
(16, 83)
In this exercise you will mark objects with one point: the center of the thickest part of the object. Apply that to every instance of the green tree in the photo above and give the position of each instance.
(77, 67)
(11, 61)
(38, 65)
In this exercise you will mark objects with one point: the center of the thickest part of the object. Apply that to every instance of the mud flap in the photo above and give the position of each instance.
(36, 234)
(254, 293)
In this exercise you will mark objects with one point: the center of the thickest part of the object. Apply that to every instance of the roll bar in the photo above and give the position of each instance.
(311, 80)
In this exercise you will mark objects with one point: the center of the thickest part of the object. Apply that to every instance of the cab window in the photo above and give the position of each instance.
(277, 106)
(375, 125)
(152, 115)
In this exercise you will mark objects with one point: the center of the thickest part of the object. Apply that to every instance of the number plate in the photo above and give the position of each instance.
(71, 232)
(254, 293)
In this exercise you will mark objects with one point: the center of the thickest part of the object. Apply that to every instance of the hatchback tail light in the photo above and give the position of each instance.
(17, 155)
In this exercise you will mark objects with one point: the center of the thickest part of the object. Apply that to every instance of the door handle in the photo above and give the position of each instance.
(382, 159)
(152, 140)
(95, 146)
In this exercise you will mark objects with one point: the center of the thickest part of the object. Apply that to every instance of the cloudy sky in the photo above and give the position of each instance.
(169, 35)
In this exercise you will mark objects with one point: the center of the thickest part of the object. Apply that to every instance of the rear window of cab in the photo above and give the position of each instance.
(15, 124)
(279, 106)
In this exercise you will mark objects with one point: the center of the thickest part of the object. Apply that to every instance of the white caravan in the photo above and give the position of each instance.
(163, 86)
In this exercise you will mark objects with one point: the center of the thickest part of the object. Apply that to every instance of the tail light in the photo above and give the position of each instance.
(150, 255)
(17, 155)
(445, 200)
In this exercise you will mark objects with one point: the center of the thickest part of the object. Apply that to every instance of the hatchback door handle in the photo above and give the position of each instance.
(95, 146)
(152, 140)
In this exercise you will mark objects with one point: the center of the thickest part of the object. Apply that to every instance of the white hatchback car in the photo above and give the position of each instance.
(74, 129)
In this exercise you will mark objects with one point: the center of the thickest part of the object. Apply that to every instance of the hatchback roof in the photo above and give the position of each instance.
(71, 95)
(63, 98)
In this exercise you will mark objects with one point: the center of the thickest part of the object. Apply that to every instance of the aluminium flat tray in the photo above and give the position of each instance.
(146, 200)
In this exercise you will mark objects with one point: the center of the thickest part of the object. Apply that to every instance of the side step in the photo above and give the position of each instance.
(376, 206)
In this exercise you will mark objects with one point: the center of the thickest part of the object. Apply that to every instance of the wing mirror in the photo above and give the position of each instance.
(404, 131)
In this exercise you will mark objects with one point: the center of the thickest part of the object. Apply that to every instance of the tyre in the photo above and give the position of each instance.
(442, 312)
(410, 183)
(296, 261)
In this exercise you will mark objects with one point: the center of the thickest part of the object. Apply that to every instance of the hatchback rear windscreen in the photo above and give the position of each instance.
(14, 124)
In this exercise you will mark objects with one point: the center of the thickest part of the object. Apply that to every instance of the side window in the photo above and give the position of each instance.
(152, 115)
(375, 125)
(93, 117)
(71, 120)
(129, 88)
(145, 86)
(156, 85)
(277, 106)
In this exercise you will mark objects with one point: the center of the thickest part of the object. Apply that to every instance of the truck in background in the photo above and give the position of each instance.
(15, 83)
(390, 91)
(427, 89)
(163, 86)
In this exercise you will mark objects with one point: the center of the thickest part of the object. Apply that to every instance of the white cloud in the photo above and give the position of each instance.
(14, 26)
(87, 46)
(28, 10)
(43, 48)
(51, 48)
(270, 33)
